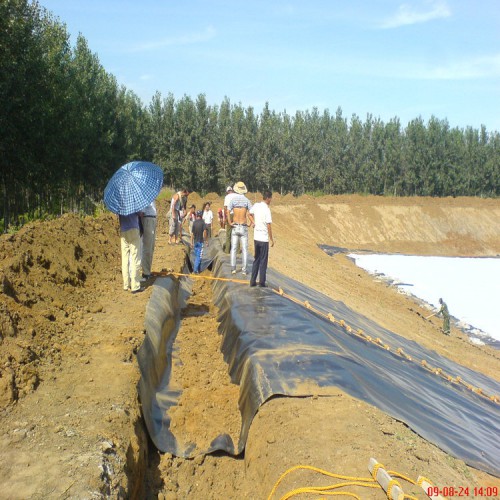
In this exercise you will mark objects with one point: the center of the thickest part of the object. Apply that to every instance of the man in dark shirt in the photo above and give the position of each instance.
(198, 236)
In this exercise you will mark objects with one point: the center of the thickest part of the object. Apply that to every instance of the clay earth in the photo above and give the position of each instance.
(70, 418)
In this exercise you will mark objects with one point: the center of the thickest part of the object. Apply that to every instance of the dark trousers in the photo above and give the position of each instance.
(259, 267)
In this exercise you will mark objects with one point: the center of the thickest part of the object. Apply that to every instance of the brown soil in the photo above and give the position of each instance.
(70, 420)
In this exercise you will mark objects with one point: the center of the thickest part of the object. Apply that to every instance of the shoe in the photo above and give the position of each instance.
(139, 290)
(126, 289)
(145, 277)
(244, 273)
(233, 271)
(262, 285)
(253, 284)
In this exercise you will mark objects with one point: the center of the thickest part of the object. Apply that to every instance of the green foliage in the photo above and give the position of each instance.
(67, 126)
(316, 194)
(166, 194)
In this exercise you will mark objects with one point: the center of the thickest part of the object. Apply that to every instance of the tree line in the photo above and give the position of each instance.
(66, 126)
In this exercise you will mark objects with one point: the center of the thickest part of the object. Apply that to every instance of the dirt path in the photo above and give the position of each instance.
(70, 421)
(208, 405)
(207, 408)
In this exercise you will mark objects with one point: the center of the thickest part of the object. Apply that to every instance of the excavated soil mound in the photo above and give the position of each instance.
(49, 274)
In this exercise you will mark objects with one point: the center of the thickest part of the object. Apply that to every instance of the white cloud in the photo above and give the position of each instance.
(408, 14)
(188, 39)
(479, 67)
(463, 68)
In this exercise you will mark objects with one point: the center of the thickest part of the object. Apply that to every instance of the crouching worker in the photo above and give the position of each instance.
(198, 236)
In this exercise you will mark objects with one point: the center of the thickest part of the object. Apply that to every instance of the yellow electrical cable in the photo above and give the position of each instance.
(366, 482)
(326, 490)
(199, 276)
(376, 467)
(336, 493)
(401, 476)
(392, 483)
(319, 471)
(422, 479)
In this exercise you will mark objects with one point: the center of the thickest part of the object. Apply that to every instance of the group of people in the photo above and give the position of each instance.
(239, 214)
(178, 214)
(138, 234)
(137, 237)
(236, 217)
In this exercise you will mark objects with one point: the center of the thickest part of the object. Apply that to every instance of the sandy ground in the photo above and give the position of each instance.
(70, 420)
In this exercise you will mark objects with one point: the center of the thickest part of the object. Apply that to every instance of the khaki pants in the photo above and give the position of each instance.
(148, 243)
(130, 243)
(229, 231)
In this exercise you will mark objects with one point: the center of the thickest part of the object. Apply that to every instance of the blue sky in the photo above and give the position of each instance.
(385, 57)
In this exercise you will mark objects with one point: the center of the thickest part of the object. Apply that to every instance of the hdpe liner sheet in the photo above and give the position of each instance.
(276, 347)
(157, 356)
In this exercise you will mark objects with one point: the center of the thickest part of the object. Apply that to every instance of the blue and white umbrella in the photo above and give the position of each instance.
(133, 187)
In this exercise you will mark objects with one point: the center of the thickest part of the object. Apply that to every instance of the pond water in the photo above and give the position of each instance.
(469, 286)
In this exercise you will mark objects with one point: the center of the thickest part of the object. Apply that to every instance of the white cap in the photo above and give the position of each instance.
(229, 188)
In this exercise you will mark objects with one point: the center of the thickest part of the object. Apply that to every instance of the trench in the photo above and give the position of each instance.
(275, 347)
(205, 403)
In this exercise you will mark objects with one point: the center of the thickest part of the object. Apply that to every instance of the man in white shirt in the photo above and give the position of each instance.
(208, 217)
(230, 194)
(262, 236)
(148, 239)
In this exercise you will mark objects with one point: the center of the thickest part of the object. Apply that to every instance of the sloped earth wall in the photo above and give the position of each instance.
(276, 347)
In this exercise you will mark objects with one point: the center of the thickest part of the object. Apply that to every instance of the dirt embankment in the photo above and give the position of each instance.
(69, 415)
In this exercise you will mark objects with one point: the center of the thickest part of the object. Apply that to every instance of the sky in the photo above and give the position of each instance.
(386, 58)
(469, 286)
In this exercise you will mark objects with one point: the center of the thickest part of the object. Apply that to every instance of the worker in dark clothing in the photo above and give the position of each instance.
(198, 236)
(446, 316)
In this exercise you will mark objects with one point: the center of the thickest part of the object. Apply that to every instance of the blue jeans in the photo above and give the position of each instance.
(239, 234)
(198, 252)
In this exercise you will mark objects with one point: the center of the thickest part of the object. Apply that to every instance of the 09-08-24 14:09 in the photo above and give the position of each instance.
(463, 491)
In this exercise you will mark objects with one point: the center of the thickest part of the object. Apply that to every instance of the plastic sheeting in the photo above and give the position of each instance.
(276, 347)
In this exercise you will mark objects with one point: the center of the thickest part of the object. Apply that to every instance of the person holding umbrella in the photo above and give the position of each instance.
(130, 239)
(132, 188)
